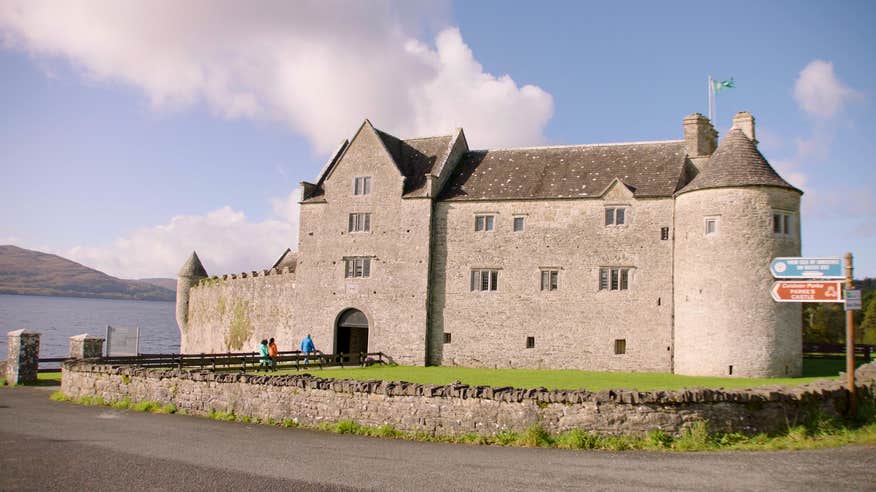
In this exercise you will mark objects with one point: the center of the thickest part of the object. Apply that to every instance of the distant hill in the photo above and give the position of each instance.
(23, 271)
(167, 283)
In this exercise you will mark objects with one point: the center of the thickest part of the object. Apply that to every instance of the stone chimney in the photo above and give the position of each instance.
(745, 122)
(699, 135)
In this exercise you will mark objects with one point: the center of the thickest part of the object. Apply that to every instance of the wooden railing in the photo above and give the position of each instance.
(249, 360)
(836, 351)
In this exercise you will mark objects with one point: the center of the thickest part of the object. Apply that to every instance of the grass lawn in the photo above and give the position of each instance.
(569, 379)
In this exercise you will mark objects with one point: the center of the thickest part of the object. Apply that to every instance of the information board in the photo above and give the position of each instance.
(122, 340)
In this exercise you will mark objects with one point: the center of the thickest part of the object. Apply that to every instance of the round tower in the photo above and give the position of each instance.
(189, 275)
(731, 220)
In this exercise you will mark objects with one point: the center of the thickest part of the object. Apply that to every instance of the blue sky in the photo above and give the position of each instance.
(134, 134)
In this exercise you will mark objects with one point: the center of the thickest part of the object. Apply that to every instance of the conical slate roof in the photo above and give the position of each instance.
(193, 267)
(736, 162)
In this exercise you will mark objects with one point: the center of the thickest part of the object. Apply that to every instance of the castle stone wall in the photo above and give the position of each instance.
(575, 326)
(394, 296)
(725, 315)
(233, 313)
(460, 409)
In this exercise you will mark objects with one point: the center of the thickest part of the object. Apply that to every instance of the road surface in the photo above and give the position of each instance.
(46, 445)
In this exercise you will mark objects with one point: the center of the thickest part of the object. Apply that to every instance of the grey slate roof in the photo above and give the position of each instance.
(416, 157)
(193, 267)
(289, 259)
(737, 162)
(647, 168)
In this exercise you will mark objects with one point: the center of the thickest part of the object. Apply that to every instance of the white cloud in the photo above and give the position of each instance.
(319, 66)
(226, 242)
(819, 92)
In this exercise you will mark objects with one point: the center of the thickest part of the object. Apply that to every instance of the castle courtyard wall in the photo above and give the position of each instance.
(574, 327)
(233, 313)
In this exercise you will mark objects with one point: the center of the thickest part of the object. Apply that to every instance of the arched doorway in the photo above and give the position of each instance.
(351, 333)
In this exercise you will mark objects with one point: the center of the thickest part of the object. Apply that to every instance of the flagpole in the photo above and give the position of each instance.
(710, 98)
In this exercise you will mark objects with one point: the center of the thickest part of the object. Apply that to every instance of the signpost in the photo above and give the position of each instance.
(809, 287)
(801, 268)
(814, 291)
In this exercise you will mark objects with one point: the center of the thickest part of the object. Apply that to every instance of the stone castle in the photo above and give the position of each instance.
(643, 256)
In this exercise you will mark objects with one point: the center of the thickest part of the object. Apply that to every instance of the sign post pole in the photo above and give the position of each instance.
(850, 341)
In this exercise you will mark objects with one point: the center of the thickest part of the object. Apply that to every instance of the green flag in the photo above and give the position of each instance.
(723, 84)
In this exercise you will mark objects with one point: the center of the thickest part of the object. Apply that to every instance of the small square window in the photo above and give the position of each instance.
(530, 342)
(550, 280)
(362, 185)
(782, 223)
(615, 216)
(711, 226)
(447, 337)
(484, 280)
(357, 266)
(359, 222)
(518, 224)
(620, 346)
(664, 233)
(484, 223)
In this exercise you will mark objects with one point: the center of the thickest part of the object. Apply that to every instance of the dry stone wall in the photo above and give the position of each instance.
(457, 408)
(233, 313)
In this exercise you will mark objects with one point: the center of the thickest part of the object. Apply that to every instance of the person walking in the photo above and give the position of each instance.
(307, 347)
(273, 353)
(265, 360)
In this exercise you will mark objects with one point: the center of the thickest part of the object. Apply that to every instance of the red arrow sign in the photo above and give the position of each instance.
(807, 292)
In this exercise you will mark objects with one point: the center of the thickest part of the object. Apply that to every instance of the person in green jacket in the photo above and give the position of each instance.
(265, 361)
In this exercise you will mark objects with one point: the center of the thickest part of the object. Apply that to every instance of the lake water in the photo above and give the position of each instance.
(59, 318)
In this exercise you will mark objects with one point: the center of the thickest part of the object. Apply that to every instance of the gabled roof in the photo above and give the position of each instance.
(648, 168)
(414, 158)
(193, 267)
(289, 259)
(736, 162)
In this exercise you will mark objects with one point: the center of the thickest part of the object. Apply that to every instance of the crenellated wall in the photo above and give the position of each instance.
(232, 313)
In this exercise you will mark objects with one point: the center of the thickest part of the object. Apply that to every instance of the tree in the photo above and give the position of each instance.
(868, 325)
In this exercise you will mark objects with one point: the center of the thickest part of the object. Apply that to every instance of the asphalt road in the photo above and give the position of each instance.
(46, 445)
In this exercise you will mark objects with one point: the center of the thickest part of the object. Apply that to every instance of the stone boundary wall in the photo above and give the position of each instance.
(231, 313)
(457, 408)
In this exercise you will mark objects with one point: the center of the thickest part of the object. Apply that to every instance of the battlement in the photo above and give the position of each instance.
(229, 277)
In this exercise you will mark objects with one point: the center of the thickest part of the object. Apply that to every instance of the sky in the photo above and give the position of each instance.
(133, 133)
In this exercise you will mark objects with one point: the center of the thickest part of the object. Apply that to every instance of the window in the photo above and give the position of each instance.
(359, 222)
(615, 216)
(530, 342)
(614, 278)
(447, 338)
(484, 280)
(484, 222)
(664, 233)
(711, 226)
(550, 279)
(782, 223)
(620, 346)
(362, 185)
(518, 224)
(357, 266)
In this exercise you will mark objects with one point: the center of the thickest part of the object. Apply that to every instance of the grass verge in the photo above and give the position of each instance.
(813, 369)
(821, 432)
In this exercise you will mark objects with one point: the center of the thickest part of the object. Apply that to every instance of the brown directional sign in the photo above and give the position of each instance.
(807, 291)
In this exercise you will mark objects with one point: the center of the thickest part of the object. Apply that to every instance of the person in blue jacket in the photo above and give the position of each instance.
(307, 347)
(265, 361)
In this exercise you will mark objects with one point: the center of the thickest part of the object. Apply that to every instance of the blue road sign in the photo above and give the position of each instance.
(807, 268)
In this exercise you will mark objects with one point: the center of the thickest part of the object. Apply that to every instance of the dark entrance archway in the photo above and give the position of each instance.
(351, 333)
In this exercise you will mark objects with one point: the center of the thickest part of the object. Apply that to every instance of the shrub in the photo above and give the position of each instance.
(535, 437)
(694, 438)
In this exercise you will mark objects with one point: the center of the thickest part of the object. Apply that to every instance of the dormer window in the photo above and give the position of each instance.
(362, 185)
(615, 216)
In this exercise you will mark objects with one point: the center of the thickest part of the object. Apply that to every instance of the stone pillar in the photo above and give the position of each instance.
(23, 358)
(86, 346)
